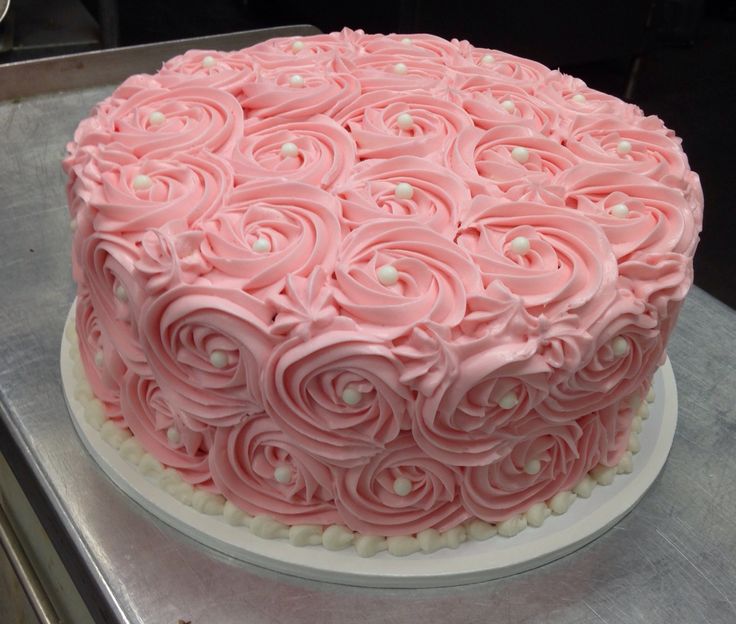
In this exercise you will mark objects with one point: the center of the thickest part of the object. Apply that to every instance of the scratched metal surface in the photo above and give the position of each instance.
(670, 560)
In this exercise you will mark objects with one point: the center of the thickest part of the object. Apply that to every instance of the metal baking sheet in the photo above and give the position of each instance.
(669, 561)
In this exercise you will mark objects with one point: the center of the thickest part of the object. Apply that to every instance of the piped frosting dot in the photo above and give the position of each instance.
(73, 225)
(400, 68)
(623, 147)
(620, 211)
(296, 81)
(508, 400)
(405, 121)
(520, 245)
(578, 98)
(620, 346)
(173, 435)
(289, 150)
(156, 118)
(208, 62)
(487, 59)
(404, 190)
(261, 245)
(218, 359)
(99, 359)
(120, 293)
(141, 182)
(520, 154)
(297, 45)
(387, 275)
(532, 467)
(282, 474)
(402, 486)
(351, 396)
(509, 106)
(406, 41)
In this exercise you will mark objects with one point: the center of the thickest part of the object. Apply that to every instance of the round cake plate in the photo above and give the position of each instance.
(472, 562)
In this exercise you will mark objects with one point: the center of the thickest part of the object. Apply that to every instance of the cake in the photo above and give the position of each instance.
(392, 292)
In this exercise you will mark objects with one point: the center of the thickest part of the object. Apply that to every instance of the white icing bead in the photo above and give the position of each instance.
(620, 211)
(73, 225)
(114, 435)
(261, 245)
(400, 68)
(623, 147)
(208, 62)
(268, 528)
(620, 346)
(404, 190)
(282, 474)
(297, 45)
(430, 540)
(603, 475)
(402, 486)
(218, 358)
(405, 121)
(579, 98)
(520, 154)
(94, 414)
(369, 545)
(336, 537)
(131, 451)
(508, 105)
(156, 118)
(455, 536)
(171, 483)
(634, 444)
(532, 467)
(537, 514)
(625, 464)
(406, 41)
(296, 81)
(305, 534)
(208, 503)
(289, 150)
(387, 275)
(351, 396)
(508, 400)
(561, 502)
(520, 245)
(585, 488)
(487, 59)
(636, 424)
(650, 395)
(173, 435)
(403, 545)
(120, 293)
(150, 467)
(99, 359)
(643, 410)
(479, 530)
(512, 526)
(234, 516)
(141, 182)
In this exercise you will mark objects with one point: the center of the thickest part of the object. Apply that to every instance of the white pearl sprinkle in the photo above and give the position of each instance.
(579, 98)
(282, 474)
(387, 275)
(508, 400)
(520, 154)
(156, 118)
(120, 293)
(173, 435)
(620, 346)
(261, 245)
(400, 68)
(487, 59)
(406, 41)
(404, 190)
(297, 45)
(141, 182)
(623, 147)
(99, 359)
(218, 359)
(520, 245)
(532, 467)
(296, 81)
(208, 62)
(509, 106)
(405, 121)
(351, 396)
(620, 211)
(289, 150)
(402, 486)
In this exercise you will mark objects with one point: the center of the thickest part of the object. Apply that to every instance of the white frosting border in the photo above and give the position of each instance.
(177, 499)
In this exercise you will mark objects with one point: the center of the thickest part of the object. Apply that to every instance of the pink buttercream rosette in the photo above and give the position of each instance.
(388, 282)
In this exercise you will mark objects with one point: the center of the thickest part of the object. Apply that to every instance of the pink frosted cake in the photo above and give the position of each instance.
(388, 291)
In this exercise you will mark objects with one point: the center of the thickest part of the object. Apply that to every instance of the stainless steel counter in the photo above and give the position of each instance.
(671, 560)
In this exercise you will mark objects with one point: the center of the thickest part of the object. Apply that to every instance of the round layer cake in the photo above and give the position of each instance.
(375, 285)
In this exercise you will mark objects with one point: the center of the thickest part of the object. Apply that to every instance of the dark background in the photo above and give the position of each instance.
(674, 58)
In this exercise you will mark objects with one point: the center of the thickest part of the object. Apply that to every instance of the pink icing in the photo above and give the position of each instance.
(249, 311)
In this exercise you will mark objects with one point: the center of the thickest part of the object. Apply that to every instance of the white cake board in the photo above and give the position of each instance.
(472, 562)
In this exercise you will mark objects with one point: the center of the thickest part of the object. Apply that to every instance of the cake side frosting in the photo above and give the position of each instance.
(394, 283)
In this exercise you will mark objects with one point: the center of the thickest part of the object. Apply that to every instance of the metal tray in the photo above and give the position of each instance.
(668, 561)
